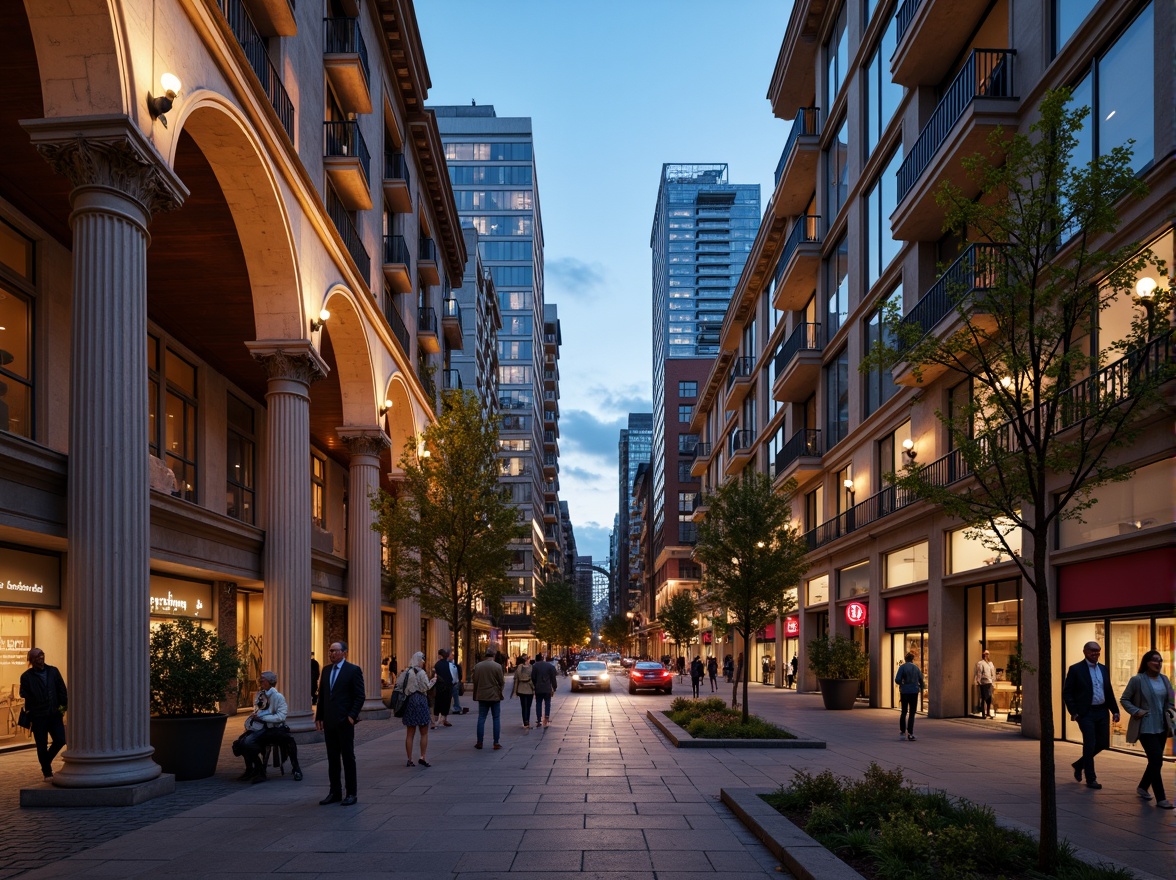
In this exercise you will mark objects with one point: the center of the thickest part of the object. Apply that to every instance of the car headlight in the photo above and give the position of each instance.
(575, 677)
(604, 676)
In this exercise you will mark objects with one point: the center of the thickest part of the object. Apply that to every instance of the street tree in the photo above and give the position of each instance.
(751, 555)
(1056, 392)
(557, 615)
(615, 631)
(678, 618)
(449, 523)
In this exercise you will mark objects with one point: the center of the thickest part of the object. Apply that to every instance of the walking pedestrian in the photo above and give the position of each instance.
(696, 673)
(712, 670)
(909, 679)
(415, 683)
(458, 685)
(792, 671)
(681, 667)
(443, 691)
(523, 688)
(1089, 700)
(728, 667)
(1147, 699)
(984, 676)
(341, 696)
(489, 680)
(43, 690)
(766, 668)
(543, 678)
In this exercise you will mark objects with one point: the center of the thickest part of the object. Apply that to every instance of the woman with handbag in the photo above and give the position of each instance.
(524, 689)
(1148, 699)
(415, 683)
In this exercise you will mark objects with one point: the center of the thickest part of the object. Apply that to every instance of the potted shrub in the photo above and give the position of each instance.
(191, 671)
(840, 665)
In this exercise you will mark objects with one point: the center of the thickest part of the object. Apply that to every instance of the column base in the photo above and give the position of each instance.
(300, 722)
(49, 795)
(106, 771)
(374, 709)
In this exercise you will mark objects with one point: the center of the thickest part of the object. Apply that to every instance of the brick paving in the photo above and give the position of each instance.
(599, 794)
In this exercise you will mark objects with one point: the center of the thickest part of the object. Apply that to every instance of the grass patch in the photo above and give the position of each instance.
(712, 719)
(887, 830)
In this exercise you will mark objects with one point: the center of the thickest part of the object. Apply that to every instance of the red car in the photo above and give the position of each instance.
(654, 676)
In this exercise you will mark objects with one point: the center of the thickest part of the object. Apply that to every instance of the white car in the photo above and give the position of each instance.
(591, 674)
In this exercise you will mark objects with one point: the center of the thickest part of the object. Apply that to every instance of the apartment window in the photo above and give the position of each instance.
(853, 580)
(515, 375)
(881, 245)
(845, 500)
(687, 389)
(883, 95)
(970, 548)
(880, 385)
(837, 399)
(686, 502)
(749, 422)
(817, 590)
(685, 412)
(514, 349)
(813, 506)
(890, 448)
(318, 490)
(684, 475)
(514, 466)
(16, 334)
(172, 392)
(906, 566)
(240, 462)
(837, 287)
(836, 57)
(516, 300)
(514, 445)
(686, 443)
(1142, 501)
(1067, 15)
(837, 167)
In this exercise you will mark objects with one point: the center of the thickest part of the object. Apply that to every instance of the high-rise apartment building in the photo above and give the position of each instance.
(472, 312)
(887, 99)
(703, 228)
(492, 171)
(633, 450)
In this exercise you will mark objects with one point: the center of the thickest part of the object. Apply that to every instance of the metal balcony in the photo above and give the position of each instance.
(345, 58)
(242, 24)
(397, 269)
(348, 163)
(427, 330)
(797, 168)
(932, 34)
(740, 447)
(274, 18)
(451, 380)
(396, 323)
(700, 459)
(397, 183)
(351, 240)
(796, 270)
(800, 457)
(451, 323)
(427, 261)
(798, 363)
(739, 380)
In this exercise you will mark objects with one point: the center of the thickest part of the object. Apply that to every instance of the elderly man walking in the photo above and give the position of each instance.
(489, 679)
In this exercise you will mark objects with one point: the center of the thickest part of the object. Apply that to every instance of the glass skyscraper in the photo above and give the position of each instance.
(633, 450)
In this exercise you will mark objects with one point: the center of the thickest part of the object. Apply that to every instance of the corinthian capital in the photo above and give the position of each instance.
(289, 359)
(364, 441)
(108, 151)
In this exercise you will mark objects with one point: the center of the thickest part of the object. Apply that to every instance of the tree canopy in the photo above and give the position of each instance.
(558, 617)
(751, 555)
(615, 631)
(677, 618)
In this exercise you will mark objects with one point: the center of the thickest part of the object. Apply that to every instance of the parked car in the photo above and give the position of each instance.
(646, 674)
(591, 674)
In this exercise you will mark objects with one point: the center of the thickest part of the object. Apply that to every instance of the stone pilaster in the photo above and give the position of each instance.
(119, 181)
(291, 365)
(363, 559)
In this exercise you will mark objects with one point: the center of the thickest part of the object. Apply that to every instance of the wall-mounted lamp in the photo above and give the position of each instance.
(316, 324)
(908, 450)
(848, 484)
(1145, 293)
(160, 104)
(386, 406)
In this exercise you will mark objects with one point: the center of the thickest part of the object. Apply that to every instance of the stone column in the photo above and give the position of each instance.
(363, 560)
(408, 631)
(442, 637)
(292, 365)
(119, 182)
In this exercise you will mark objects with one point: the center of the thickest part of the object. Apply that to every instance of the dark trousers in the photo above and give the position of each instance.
(985, 698)
(1096, 736)
(694, 683)
(714, 682)
(279, 739)
(906, 717)
(340, 740)
(1153, 776)
(525, 700)
(43, 729)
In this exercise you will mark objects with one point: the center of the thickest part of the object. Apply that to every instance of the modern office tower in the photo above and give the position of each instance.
(884, 107)
(633, 450)
(492, 171)
(473, 312)
(703, 228)
(219, 304)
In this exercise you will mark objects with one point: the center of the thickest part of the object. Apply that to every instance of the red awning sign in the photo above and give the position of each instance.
(856, 614)
(791, 627)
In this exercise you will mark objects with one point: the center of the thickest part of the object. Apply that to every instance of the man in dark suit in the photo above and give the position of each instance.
(43, 690)
(1090, 700)
(340, 697)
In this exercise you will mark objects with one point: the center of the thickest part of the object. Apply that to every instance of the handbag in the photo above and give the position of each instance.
(24, 719)
(399, 700)
(1170, 717)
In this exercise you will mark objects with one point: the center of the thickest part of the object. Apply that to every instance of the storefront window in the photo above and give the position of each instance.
(818, 590)
(993, 623)
(974, 548)
(1140, 502)
(906, 566)
(853, 580)
(902, 643)
(16, 637)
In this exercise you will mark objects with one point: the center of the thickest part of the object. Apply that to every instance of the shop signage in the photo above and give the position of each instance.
(791, 627)
(856, 614)
(706, 638)
(30, 579)
(172, 597)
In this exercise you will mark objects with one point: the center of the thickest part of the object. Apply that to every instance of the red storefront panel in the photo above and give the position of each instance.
(907, 612)
(1138, 580)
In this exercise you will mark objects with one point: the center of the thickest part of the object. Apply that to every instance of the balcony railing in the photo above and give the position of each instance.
(392, 316)
(395, 166)
(905, 15)
(701, 450)
(395, 250)
(253, 46)
(428, 383)
(427, 250)
(806, 442)
(451, 308)
(345, 139)
(351, 239)
(806, 230)
(451, 380)
(988, 73)
(740, 441)
(807, 122)
(980, 267)
(806, 337)
(741, 368)
(341, 36)
(427, 320)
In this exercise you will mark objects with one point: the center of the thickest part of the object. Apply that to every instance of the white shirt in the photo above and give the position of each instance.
(985, 671)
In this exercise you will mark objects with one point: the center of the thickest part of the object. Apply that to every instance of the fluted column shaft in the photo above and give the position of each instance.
(119, 180)
(363, 559)
(408, 630)
(291, 367)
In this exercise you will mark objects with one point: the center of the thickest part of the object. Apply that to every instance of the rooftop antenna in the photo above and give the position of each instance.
(473, 103)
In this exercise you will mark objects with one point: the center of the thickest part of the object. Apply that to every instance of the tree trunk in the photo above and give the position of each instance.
(1048, 836)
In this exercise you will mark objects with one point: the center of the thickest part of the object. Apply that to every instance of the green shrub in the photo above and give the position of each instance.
(712, 719)
(191, 669)
(838, 657)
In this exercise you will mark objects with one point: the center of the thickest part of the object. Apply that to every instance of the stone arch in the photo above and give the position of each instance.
(401, 423)
(82, 54)
(251, 190)
(353, 358)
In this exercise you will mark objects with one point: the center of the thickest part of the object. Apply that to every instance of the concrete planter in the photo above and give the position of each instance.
(683, 740)
(839, 693)
(188, 747)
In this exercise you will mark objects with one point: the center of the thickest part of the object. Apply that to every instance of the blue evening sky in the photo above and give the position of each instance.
(613, 89)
